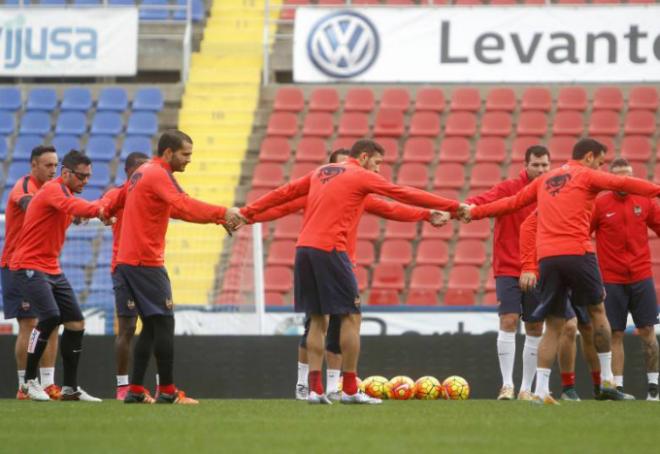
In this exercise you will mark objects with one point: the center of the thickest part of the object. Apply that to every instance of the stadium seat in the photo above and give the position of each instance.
(368, 228)
(395, 230)
(430, 99)
(353, 124)
(154, 14)
(267, 175)
(7, 123)
(490, 149)
(475, 230)
(389, 123)
(561, 148)
(640, 169)
(572, 98)
(496, 124)
(413, 174)
(362, 277)
(536, 98)
(100, 175)
(426, 277)
(459, 297)
(274, 299)
(102, 280)
(288, 227)
(254, 194)
(86, 2)
(318, 124)
(41, 99)
(274, 149)
(391, 147)
(383, 297)
(568, 123)
(24, 145)
(289, 99)
(282, 124)
(395, 99)
(311, 149)
(148, 99)
(449, 175)
(470, 252)
(461, 124)
(107, 123)
(467, 99)
(281, 252)
(300, 169)
(289, 14)
(604, 122)
(520, 145)
(10, 99)
(76, 253)
(419, 149)
(324, 100)
(432, 252)
(454, 149)
(135, 143)
(364, 253)
(101, 148)
(197, 13)
(388, 276)
(17, 169)
(418, 297)
(640, 122)
(425, 124)
(112, 98)
(396, 251)
(4, 151)
(485, 175)
(359, 99)
(639, 98)
(76, 98)
(437, 233)
(490, 299)
(654, 245)
(91, 193)
(501, 99)
(464, 277)
(71, 123)
(532, 123)
(76, 277)
(35, 123)
(278, 279)
(608, 98)
(142, 124)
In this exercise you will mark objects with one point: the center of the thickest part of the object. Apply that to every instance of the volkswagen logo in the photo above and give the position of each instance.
(343, 44)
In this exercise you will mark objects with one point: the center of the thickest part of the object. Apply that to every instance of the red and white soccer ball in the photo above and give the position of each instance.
(427, 388)
(375, 386)
(401, 388)
(455, 388)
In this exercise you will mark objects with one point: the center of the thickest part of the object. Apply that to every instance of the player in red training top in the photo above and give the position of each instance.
(36, 269)
(324, 280)
(565, 198)
(43, 161)
(150, 195)
(621, 222)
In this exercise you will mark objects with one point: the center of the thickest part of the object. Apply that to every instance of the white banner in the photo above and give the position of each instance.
(47, 42)
(478, 44)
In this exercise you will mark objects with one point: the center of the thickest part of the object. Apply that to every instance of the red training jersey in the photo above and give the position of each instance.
(49, 214)
(527, 245)
(19, 198)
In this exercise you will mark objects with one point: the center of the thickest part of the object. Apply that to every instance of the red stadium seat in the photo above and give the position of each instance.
(468, 2)
(268, 175)
(383, 297)
(641, 2)
(490, 149)
(419, 149)
(485, 175)
(572, 98)
(568, 123)
(364, 253)
(396, 251)
(274, 149)
(275, 299)
(400, 230)
(561, 148)
(537, 98)
(387, 172)
(608, 141)
(437, 233)
(640, 122)
(490, 280)
(368, 228)
(608, 98)
(324, 100)
(656, 174)
(422, 298)
(391, 147)
(464, 277)
(520, 145)
(395, 99)
(470, 252)
(311, 149)
(501, 98)
(503, 2)
(289, 99)
(490, 299)
(461, 124)
(288, 227)
(454, 149)
(467, 99)
(449, 176)
(643, 98)
(448, 193)
(413, 174)
(354, 124)
(426, 277)
(430, 99)
(300, 169)
(388, 276)
(362, 276)
(640, 169)
(532, 123)
(459, 297)
(636, 148)
(432, 252)
(254, 194)
(278, 279)
(282, 124)
(604, 122)
(400, 2)
(359, 99)
(425, 124)
(289, 14)
(281, 252)
(342, 142)
(318, 124)
(389, 123)
(475, 230)
(496, 124)
(366, 2)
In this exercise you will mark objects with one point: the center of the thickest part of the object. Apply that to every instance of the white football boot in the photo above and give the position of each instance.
(79, 395)
(302, 392)
(359, 398)
(34, 391)
(318, 399)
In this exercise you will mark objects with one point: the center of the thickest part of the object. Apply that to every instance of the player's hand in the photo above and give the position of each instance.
(234, 219)
(107, 220)
(527, 281)
(80, 221)
(439, 218)
(464, 212)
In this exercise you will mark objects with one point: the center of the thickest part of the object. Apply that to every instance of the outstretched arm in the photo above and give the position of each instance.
(601, 181)
(395, 211)
(288, 192)
(66, 202)
(379, 185)
(507, 205)
(527, 244)
(280, 211)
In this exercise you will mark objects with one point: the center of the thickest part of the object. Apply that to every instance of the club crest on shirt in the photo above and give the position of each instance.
(637, 210)
(134, 179)
(130, 304)
(327, 173)
(25, 306)
(555, 184)
(169, 303)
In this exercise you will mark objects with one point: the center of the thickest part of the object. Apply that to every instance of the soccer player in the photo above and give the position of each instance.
(621, 222)
(567, 262)
(512, 302)
(43, 162)
(37, 272)
(324, 280)
(149, 197)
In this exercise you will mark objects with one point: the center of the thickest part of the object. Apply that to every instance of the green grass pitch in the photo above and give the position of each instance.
(265, 426)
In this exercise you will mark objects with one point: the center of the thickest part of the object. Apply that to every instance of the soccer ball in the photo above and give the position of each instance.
(427, 388)
(375, 386)
(455, 388)
(401, 388)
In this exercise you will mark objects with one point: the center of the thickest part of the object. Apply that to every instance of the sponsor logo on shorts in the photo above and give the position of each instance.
(25, 306)
(637, 210)
(29, 273)
(169, 303)
(130, 304)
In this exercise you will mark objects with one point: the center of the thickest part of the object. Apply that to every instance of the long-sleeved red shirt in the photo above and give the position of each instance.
(506, 259)
(48, 216)
(336, 198)
(148, 200)
(565, 199)
(527, 244)
(19, 198)
(621, 225)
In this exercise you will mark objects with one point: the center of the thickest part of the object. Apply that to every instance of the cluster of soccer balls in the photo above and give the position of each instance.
(402, 387)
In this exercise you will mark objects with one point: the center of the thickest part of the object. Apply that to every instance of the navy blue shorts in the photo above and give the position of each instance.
(331, 337)
(124, 305)
(50, 294)
(512, 300)
(564, 275)
(637, 298)
(149, 287)
(13, 304)
(324, 283)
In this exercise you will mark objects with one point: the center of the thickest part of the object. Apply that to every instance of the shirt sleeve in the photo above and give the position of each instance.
(595, 214)
(601, 181)
(653, 219)
(283, 194)
(114, 200)
(280, 211)
(395, 211)
(525, 197)
(497, 192)
(74, 206)
(20, 197)
(527, 244)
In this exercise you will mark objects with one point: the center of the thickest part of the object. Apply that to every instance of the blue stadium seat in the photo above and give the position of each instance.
(198, 12)
(24, 146)
(75, 275)
(92, 193)
(53, 2)
(86, 2)
(10, 99)
(42, 99)
(72, 123)
(102, 280)
(112, 98)
(17, 2)
(76, 98)
(83, 231)
(154, 14)
(100, 175)
(3, 148)
(100, 299)
(105, 251)
(76, 253)
(107, 123)
(101, 148)
(35, 123)
(17, 169)
(121, 2)
(136, 143)
(3, 205)
(7, 122)
(149, 99)
(64, 144)
(142, 124)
